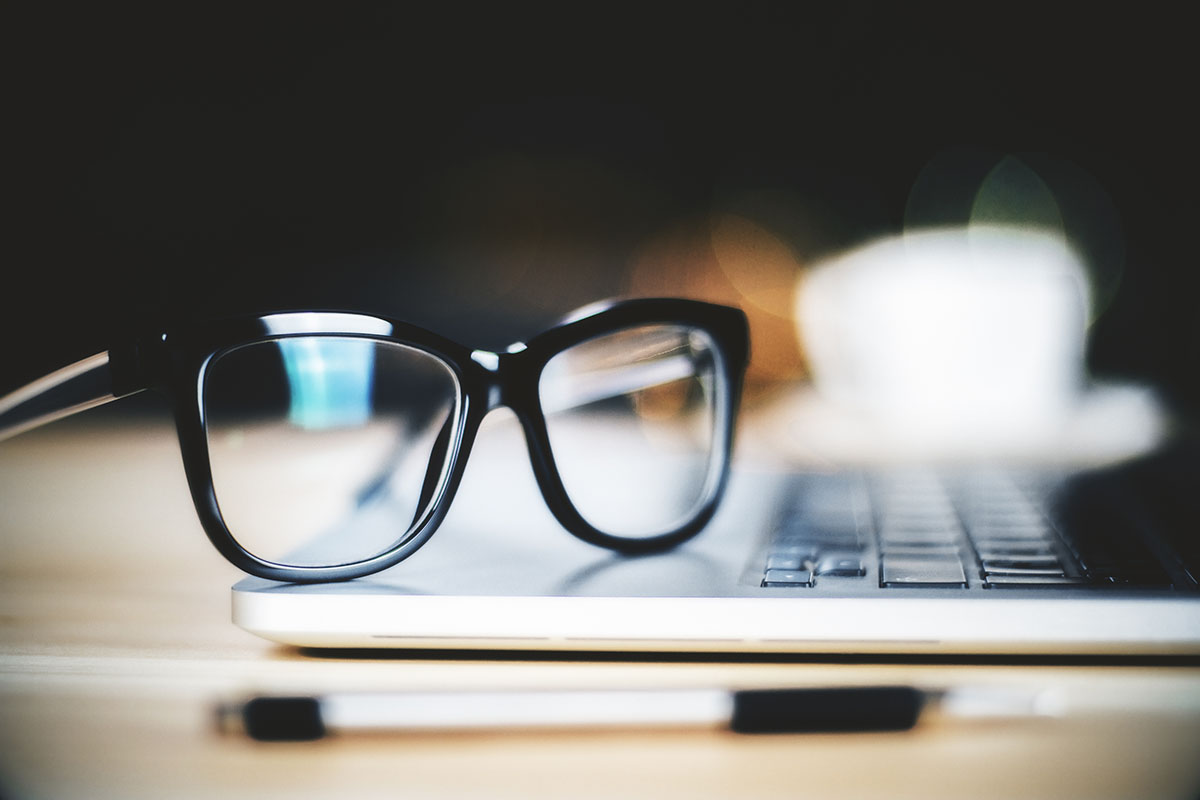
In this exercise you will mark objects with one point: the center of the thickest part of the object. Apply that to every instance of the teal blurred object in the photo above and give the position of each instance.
(330, 381)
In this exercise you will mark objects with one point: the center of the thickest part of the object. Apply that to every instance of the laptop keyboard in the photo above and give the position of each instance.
(972, 530)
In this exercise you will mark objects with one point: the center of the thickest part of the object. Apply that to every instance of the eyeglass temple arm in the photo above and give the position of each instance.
(78, 387)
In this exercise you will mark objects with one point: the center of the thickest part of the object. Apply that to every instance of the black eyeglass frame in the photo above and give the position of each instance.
(175, 362)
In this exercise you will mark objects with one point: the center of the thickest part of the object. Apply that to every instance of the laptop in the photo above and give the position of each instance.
(856, 520)
(935, 558)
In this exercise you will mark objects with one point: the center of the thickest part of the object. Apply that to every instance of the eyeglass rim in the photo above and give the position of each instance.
(558, 498)
(192, 430)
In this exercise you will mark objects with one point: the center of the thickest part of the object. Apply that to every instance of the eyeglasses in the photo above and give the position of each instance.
(323, 446)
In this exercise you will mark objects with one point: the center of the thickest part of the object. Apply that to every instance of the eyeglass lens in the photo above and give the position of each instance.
(327, 450)
(631, 417)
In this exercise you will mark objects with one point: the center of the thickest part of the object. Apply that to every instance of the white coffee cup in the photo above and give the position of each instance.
(971, 339)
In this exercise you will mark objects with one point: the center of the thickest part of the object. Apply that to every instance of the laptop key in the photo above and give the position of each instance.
(793, 546)
(841, 565)
(782, 578)
(922, 552)
(1026, 581)
(1021, 562)
(982, 533)
(991, 551)
(785, 562)
(1038, 571)
(810, 534)
(918, 538)
(908, 571)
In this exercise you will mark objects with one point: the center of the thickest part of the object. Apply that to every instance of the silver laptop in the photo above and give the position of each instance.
(957, 557)
(982, 498)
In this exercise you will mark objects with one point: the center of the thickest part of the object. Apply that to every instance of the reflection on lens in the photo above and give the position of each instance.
(632, 419)
(327, 450)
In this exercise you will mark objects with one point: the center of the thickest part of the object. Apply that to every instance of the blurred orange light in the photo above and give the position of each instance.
(735, 261)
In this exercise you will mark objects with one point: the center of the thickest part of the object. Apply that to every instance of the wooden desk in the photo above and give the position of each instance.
(115, 645)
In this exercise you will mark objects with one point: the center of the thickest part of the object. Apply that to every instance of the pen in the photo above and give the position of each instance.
(802, 710)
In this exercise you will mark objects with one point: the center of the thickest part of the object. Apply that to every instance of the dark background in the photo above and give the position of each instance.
(481, 171)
